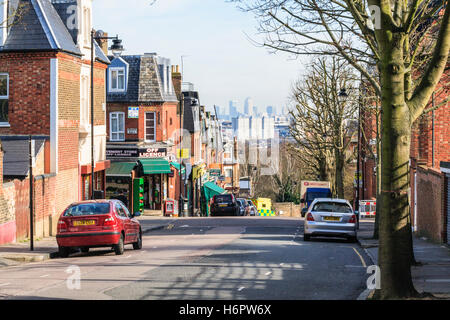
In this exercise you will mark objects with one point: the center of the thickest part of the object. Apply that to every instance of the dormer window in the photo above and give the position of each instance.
(117, 79)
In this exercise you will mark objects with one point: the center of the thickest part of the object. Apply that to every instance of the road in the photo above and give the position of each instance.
(233, 258)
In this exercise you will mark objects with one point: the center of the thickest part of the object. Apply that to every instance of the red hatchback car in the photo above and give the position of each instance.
(98, 223)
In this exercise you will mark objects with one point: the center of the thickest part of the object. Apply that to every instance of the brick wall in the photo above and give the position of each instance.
(289, 209)
(430, 204)
(29, 92)
(7, 219)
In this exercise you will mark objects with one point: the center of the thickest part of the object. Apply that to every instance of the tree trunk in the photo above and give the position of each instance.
(395, 237)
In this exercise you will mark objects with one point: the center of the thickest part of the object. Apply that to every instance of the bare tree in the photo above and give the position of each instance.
(401, 48)
(320, 118)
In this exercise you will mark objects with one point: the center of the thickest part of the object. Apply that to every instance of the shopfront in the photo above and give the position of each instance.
(154, 165)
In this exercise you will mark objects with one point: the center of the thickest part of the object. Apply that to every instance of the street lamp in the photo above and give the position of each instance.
(116, 49)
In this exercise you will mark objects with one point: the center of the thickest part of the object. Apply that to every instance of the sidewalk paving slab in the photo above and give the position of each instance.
(47, 248)
(431, 275)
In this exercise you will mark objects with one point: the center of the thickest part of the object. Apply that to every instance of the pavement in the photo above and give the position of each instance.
(47, 248)
(432, 274)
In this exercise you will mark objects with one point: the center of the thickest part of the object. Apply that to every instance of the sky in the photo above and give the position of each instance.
(213, 38)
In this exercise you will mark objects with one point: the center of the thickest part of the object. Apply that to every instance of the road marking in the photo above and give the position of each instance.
(241, 288)
(4, 284)
(281, 264)
(437, 280)
(350, 266)
(268, 273)
(44, 276)
(360, 257)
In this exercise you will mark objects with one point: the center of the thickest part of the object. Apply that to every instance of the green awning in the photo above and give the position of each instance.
(177, 166)
(120, 169)
(214, 188)
(155, 166)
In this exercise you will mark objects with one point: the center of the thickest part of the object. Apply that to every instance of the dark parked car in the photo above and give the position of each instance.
(224, 205)
(100, 223)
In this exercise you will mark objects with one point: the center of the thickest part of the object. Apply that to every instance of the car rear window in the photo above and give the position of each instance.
(332, 207)
(87, 209)
(223, 198)
(310, 196)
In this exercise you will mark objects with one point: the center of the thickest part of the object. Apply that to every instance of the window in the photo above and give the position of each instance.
(120, 210)
(228, 173)
(117, 79)
(150, 126)
(4, 97)
(117, 126)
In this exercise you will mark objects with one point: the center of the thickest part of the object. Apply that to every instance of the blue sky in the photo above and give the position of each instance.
(219, 59)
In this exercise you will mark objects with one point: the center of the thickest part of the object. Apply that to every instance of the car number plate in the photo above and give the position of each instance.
(222, 205)
(84, 223)
(332, 218)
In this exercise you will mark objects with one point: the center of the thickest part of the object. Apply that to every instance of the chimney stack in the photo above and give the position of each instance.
(176, 80)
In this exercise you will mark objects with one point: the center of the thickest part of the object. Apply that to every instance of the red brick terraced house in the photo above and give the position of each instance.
(45, 90)
(142, 128)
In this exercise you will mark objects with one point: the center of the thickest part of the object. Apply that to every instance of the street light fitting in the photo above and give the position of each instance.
(117, 47)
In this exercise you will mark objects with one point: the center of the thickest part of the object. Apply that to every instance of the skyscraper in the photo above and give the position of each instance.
(248, 106)
(269, 110)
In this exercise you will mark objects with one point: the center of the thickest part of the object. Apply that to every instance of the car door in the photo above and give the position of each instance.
(134, 224)
(125, 221)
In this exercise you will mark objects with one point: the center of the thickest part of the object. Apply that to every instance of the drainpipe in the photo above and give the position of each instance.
(432, 131)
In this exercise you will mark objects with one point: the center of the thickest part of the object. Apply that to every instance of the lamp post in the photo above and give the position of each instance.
(116, 49)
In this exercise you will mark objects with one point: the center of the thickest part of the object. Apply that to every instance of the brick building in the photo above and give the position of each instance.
(142, 126)
(45, 90)
(430, 146)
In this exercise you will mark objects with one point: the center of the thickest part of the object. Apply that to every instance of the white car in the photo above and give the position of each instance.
(328, 217)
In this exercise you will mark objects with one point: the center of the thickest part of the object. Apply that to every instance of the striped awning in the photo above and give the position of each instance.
(120, 169)
(155, 166)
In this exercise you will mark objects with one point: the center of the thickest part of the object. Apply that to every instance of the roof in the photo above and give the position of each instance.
(16, 154)
(38, 27)
(144, 81)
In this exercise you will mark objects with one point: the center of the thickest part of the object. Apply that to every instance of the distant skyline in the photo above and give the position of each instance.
(211, 36)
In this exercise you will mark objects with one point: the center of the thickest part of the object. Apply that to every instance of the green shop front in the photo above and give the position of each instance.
(146, 167)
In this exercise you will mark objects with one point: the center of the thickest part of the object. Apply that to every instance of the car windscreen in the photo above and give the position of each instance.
(243, 202)
(222, 198)
(332, 207)
(310, 196)
(87, 209)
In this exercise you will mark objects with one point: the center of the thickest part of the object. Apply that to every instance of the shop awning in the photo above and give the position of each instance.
(214, 188)
(120, 169)
(155, 166)
(177, 166)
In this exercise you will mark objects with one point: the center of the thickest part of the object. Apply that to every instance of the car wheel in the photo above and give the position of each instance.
(138, 244)
(306, 237)
(84, 249)
(119, 247)
(63, 252)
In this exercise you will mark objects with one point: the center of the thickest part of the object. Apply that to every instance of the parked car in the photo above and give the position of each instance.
(98, 223)
(224, 204)
(330, 217)
(245, 205)
(241, 207)
(252, 208)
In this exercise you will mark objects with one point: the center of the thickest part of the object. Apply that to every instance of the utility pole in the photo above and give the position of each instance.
(31, 155)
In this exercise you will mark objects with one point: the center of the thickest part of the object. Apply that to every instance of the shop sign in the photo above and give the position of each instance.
(152, 153)
(133, 112)
(122, 153)
(214, 172)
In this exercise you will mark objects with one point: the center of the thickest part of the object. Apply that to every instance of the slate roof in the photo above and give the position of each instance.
(16, 154)
(144, 81)
(39, 28)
